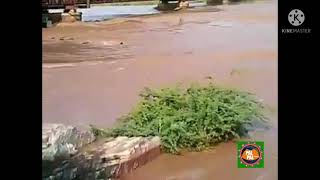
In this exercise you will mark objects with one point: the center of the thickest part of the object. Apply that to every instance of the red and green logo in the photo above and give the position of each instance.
(250, 154)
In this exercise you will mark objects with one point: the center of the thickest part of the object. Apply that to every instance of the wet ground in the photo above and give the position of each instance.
(93, 72)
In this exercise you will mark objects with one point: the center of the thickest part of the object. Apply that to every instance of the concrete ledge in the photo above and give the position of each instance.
(115, 157)
(108, 158)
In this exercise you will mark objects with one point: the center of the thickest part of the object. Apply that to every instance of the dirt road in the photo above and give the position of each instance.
(93, 72)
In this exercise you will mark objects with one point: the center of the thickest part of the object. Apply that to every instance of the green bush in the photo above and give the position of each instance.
(194, 118)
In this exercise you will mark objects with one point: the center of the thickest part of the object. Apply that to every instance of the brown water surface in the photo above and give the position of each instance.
(90, 77)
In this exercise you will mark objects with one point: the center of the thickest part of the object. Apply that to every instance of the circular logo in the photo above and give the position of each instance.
(250, 154)
(296, 17)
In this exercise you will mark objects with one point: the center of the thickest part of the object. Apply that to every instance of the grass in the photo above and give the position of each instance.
(193, 118)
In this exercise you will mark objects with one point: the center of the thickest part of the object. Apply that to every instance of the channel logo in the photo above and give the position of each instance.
(250, 154)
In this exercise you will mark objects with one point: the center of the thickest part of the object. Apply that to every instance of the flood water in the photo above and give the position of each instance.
(93, 72)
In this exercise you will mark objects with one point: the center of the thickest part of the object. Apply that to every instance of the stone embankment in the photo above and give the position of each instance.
(69, 153)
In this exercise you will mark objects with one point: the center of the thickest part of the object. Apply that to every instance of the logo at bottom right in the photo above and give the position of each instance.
(250, 154)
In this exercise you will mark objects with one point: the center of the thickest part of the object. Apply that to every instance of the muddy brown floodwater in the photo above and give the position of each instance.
(93, 72)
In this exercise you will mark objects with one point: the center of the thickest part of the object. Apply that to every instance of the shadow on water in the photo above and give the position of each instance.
(255, 126)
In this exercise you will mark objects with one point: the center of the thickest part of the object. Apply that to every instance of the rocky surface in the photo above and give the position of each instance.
(71, 17)
(183, 4)
(67, 18)
(60, 141)
(65, 157)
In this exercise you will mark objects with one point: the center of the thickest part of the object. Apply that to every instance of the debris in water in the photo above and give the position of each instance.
(188, 52)
(221, 24)
(108, 43)
(233, 72)
(121, 43)
(209, 77)
(86, 42)
(112, 62)
(180, 21)
(59, 65)
(176, 31)
(120, 69)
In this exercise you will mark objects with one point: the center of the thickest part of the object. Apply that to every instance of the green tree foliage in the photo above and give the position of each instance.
(194, 118)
